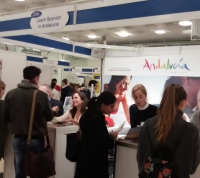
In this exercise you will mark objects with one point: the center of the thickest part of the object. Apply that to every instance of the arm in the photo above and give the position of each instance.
(196, 152)
(126, 110)
(64, 117)
(145, 146)
(4, 119)
(132, 119)
(60, 112)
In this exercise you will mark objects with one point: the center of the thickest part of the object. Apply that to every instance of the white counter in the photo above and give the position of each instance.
(57, 135)
(125, 161)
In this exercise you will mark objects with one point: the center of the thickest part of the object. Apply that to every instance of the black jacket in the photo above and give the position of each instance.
(186, 158)
(66, 91)
(54, 103)
(17, 109)
(95, 143)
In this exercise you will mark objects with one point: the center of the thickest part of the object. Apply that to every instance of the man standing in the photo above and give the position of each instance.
(57, 106)
(57, 87)
(17, 111)
(66, 90)
(88, 91)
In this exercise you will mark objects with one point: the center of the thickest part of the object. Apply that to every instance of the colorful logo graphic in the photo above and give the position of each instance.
(167, 66)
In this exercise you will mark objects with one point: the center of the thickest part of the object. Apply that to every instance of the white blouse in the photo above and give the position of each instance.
(55, 94)
(66, 116)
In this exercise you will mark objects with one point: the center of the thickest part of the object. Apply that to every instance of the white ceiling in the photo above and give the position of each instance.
(11, 6)
(140, 34)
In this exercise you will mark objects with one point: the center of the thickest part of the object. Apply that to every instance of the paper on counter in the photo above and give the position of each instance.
(117, 128)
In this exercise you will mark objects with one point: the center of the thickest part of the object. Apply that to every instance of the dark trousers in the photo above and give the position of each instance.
(19, 145)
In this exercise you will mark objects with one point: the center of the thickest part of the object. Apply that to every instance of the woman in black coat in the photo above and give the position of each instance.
(95, 139)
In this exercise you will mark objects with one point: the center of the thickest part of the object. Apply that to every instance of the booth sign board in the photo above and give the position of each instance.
(49, 20)
(50, 62)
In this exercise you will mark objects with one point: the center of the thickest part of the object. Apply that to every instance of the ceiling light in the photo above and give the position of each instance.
(20, 0)
(123, 33)
(185, 23)
(92, 36)
(65, 38)
(160, 32)
(6, 43)
(188, 31)
(52, 48)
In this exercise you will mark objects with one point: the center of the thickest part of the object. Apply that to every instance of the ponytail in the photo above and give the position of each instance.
(91, 103)
(168, 110)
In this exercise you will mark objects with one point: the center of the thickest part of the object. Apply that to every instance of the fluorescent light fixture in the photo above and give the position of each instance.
(20, 0)
(65, 38)
(123, 33)
(7, 43)
(188, 31)
(92, 36)
(160, 32)
(185, 23)
(61, 60)
(52, 48)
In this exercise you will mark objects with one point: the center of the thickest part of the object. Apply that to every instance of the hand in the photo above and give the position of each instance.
(115, 134)
(55, 109)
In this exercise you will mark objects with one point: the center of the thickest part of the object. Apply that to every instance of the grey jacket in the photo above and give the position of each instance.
(187, 156)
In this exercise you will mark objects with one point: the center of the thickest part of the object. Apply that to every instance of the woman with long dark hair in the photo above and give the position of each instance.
(168, 128)
(118, 85)
(95, 139)
(73, 115)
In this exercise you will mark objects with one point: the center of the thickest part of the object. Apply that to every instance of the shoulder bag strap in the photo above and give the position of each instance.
(31, 118)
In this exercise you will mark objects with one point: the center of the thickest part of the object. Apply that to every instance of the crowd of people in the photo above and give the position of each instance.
(160, 125)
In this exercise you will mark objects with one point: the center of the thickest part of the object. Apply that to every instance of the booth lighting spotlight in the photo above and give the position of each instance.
(123, 33)
(160, 32)
(92, 36)
(185, 23)
(65, 38)
(20, 0)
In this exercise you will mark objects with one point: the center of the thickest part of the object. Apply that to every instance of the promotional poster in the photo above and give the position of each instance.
(155, 73)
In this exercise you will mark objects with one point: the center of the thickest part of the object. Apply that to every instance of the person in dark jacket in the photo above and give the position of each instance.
(95, 139)
(165, 129)
(56, 106)
(88, 90)
(17, 111)
(2, 91)
(65, 91)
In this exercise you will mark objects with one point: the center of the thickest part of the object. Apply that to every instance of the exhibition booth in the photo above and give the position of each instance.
(154, 67)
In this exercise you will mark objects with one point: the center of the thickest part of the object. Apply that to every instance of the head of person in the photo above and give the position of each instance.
(79, 101)
(64, 82)
(191, 86)
(46, 89)
(139, 94)
(53, 84)
(54, 80)
(94, 83)
(119, 84)
(32, 74)
(173, 100)
(105, 102)
(2, 88)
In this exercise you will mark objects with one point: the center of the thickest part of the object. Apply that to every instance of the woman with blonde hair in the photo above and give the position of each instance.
(141, 110)
(168, 129)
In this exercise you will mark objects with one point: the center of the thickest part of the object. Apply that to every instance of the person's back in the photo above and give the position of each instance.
(17, 110)
(65, 91)
(165, 130)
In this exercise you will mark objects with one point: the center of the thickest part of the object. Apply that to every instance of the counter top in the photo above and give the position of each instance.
(63, 129)
(127, 143)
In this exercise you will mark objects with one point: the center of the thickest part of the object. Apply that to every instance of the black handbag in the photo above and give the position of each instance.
(73, 146)
(38, 165)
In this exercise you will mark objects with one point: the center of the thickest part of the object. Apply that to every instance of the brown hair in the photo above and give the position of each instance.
(168, 110)
(2, 85)
(83, 107)
(139, 87)
(65, 81)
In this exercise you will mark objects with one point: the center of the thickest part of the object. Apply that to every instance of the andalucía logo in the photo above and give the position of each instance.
(167, 66)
